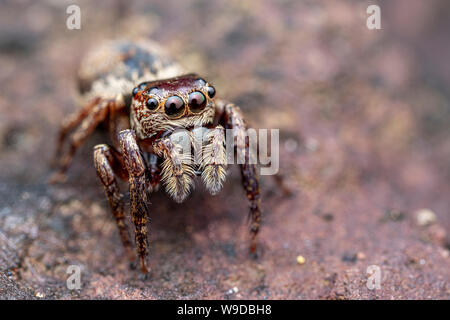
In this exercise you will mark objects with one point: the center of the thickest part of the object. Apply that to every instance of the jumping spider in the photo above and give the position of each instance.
(122, 88)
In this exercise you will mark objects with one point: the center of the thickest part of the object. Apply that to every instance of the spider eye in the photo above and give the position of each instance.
(152, 90)
(135, 91)
(174, 106)
(151, 103)
(211, 92)
(201, 81)
(197, 101)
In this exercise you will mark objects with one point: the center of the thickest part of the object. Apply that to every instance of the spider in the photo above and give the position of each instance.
(142, 97)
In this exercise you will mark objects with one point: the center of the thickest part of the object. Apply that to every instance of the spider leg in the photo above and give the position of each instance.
(177, 171)
(70, 123)
(97, 114)
(109, 165)
(136, 167)
(214, 161)
(232, 119)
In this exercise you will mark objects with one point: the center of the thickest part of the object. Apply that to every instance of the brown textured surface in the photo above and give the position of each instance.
(367, 110)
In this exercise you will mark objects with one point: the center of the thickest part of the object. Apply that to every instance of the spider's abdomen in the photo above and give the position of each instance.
(116, 67)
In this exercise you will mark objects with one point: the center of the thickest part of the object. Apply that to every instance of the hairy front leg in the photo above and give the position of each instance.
(232, 119)
(139, 198)
(109, 165)
(177, 170)
(214, 160)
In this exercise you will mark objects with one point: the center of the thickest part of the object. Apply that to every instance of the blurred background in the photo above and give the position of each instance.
(365, 143)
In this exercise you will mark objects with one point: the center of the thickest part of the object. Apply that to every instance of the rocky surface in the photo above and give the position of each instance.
(363, 118)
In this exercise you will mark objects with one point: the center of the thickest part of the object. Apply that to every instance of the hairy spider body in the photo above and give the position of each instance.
(143, 97)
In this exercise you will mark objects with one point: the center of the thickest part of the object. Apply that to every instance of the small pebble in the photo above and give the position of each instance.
(349, 257)
(394, 215)
(312, 144)
(40, 295)
(25, 196)
(360, 256)
(290, 145)
(425, 217)
(436, 234)
(301, 260)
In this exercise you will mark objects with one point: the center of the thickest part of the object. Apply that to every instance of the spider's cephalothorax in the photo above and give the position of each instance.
(181, 102)
(158, 108)
(143, 98)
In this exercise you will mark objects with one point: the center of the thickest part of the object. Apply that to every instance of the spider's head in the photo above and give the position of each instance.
(182, 102)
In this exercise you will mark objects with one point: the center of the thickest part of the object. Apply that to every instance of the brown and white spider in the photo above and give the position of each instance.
(121, 84)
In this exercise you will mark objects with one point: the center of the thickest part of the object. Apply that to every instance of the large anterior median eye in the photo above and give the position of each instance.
(174, 106)
(197, 101)
(151, 103)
